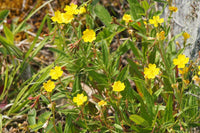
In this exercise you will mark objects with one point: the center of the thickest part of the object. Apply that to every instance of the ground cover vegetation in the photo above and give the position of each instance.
(89, 67)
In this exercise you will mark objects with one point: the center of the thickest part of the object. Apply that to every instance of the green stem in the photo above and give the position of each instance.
(53, 111)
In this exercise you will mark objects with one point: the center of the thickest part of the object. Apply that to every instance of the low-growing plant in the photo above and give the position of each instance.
(144, 84)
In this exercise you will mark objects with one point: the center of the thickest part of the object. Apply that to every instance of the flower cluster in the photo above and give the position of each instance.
(173, 9)
(156, 20)
(127, 18)
(80, 99)
(181, 61)
(185, 70)
(118, 86)
(68, 16)
(55, 74)
(151, 71)
(89, 35)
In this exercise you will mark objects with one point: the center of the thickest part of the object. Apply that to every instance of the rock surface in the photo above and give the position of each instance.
(187, 19)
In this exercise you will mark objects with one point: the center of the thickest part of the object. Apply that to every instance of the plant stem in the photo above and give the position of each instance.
(53, 111)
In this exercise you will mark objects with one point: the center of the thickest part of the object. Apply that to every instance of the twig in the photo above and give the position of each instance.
(32, 34)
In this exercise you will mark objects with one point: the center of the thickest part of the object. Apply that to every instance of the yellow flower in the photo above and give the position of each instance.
(186, 36)
(173, 8)
(102, 103)
(67, 18)
(181, 61)
(80, 99)
(151, 72)
(82, 10)
(126, 18)
(199, 71)
(186, 82)
(57, 17)
(49, 86)
(72, 9)
(156, 20)
(161, 35)
(118, 86)
(185, 70)
(196, 79)
(145, 22)
(56, 73)
(89, 35)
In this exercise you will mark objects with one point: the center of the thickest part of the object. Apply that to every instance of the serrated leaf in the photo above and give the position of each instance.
(169, 110)
(135, 50)
(3, 15)
(32, 117)
(43, 117)
(58, 95)
(105, 53)
(12, 49)
(145, 5)
(123, 74)
(136, 9)
(9, 34)
(69, 126)
(139, 120)
(117, 126)
(103, 14)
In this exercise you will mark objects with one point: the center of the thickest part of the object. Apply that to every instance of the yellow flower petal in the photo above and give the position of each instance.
(151, 71)
(49, 86)
(80, 99)
(89, 35)
(181, 61)
(118, 86)
(126, 18)
(56, 72)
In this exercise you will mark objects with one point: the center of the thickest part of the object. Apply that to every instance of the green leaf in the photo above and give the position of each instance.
(123, 48)
(77, 85)
(152, 56)
(43, 117)
(168, 111)
(50, 128)
(9, 34)
(99, 77)
(135, 50)
(32, 117)
(139, 120)
(105, 53)
(12, 49)
(117, 126)
(135, 69)
(25, 91)
(37, 126)
(58, 95)
(89, 21)
(3, 15)
(147, 97)
(136, 9)
(69, 126)
(123, 74)
(145, 5)
(18, 29)
(103, 14)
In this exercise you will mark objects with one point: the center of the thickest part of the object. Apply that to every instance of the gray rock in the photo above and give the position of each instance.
(187, 19)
